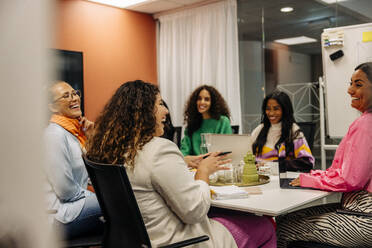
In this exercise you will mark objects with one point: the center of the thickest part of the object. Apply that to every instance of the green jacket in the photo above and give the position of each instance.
(191, 146)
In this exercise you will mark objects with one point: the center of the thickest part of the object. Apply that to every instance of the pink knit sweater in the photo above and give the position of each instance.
(351, 168)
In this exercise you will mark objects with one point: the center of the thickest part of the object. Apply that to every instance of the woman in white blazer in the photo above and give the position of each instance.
(173, 203)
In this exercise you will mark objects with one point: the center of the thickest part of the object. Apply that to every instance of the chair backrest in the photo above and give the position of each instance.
(235, 129)
(124, 226)
(177, 136)
(308, 128)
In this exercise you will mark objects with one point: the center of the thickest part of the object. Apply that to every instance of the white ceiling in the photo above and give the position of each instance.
(309, 17)
(156, 6)
(363, 7)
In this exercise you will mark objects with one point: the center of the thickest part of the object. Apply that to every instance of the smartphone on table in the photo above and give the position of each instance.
(220, 154)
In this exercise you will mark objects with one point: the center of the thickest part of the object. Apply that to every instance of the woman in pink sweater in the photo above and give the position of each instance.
(350, 172)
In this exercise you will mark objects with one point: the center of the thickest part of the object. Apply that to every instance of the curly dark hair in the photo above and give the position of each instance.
(125, 125)
(287, 121)
(193, 118)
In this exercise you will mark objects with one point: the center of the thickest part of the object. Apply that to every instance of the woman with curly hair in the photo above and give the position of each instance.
(206, 112)
(278, 137)
(173, 203)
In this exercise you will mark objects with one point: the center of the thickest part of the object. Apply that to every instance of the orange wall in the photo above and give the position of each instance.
(118, 46)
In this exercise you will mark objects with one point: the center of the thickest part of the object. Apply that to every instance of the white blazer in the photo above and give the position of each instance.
(173, 205)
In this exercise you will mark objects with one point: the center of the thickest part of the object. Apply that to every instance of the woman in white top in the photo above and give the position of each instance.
(278, 137)
(173, 203)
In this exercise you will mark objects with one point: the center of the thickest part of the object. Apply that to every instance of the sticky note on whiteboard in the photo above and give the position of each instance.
(367, 36)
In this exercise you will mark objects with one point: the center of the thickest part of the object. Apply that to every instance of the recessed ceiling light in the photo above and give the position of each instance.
(119, 3)
(286, 9)
(296, 40)
(333, 1)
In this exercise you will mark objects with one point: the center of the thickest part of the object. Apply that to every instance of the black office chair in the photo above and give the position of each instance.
(124, 226)
(177, 136)
(84, 241)
(308, 128)
(235, 129)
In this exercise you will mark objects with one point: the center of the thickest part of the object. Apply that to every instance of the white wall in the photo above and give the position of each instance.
(24, 29)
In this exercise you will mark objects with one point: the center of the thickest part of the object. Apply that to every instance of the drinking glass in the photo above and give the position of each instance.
(264, 169)
(238, 171)
(213, 178)
(229, 174)
(205, 143)
(221, 176)
(274, 168)
(268, 168)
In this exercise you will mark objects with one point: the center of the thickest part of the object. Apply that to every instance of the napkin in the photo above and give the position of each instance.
(227, 192)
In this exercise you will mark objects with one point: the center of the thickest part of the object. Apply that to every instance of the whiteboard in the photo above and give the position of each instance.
(337, 74)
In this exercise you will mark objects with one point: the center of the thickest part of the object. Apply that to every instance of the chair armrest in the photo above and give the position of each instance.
(102, 219)
(187, 242)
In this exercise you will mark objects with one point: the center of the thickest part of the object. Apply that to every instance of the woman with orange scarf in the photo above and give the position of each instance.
(77, 208)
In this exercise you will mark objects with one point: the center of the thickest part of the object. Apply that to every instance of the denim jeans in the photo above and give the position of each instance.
(87, 221)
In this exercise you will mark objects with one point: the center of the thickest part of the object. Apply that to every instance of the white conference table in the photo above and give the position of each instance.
(273, 200)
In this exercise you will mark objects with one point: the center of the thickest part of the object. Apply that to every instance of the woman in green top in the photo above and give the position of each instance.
(206, 112)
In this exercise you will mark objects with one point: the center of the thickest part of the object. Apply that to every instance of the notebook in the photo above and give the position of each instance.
(227, 192)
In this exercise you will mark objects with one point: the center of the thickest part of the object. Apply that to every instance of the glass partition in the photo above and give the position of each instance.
(267, 62)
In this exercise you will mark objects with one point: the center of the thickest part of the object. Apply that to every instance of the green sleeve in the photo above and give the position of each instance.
(225, 126)
(186, 146)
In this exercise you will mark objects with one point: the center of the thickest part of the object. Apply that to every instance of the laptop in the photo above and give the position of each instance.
(239, 144)
(284, 183)
(284, 180)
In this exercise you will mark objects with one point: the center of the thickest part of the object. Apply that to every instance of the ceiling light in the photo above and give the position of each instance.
(333, 1)
(119, 3)
(295, 40)
(286, 9)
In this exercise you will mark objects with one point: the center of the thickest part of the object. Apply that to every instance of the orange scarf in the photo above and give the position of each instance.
(71, 125)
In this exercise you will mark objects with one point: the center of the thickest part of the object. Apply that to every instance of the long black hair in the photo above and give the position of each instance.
(287, 122)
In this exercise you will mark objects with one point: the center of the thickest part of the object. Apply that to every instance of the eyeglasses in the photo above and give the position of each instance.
(69, 95)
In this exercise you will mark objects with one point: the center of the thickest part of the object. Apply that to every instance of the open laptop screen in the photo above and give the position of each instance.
(239, 144)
